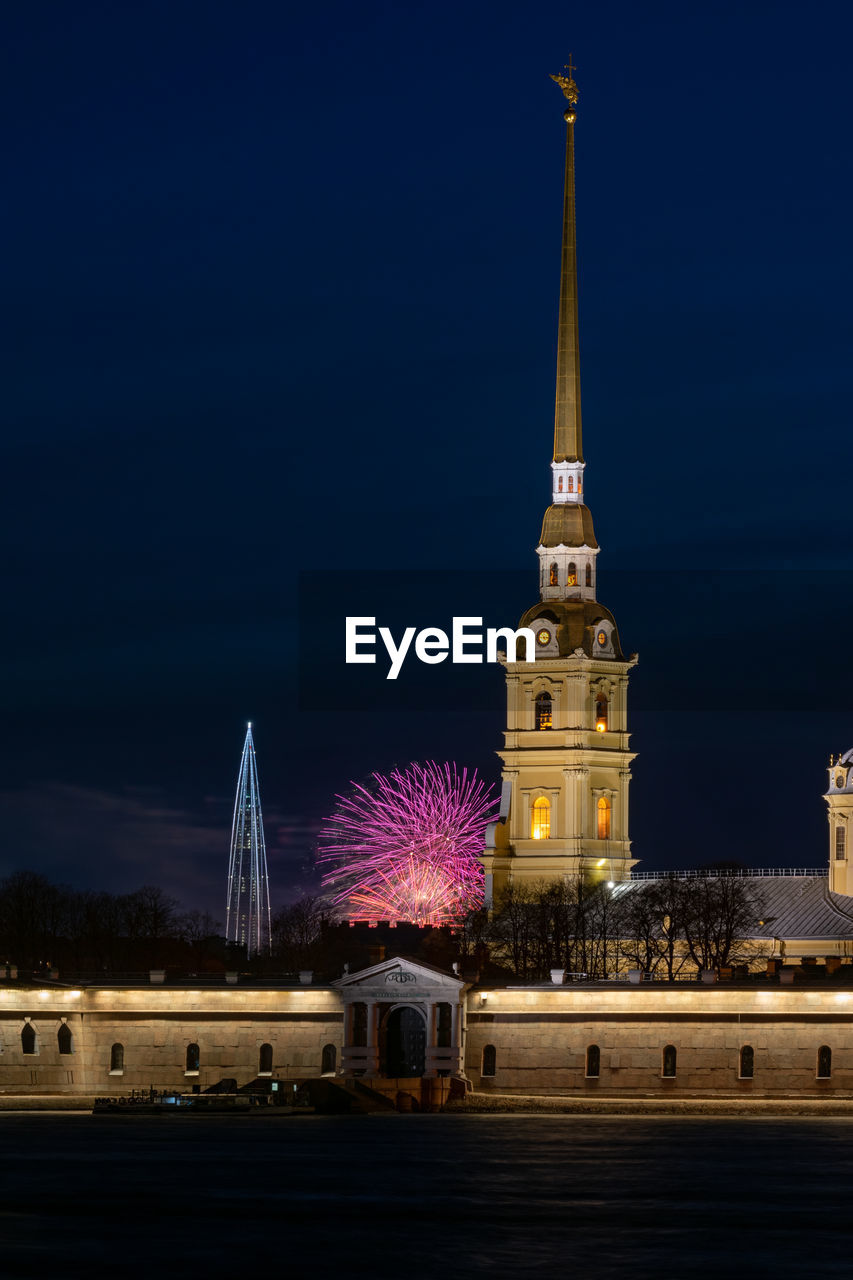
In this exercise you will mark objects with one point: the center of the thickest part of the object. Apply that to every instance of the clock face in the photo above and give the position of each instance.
(602, 638)
(543, 636)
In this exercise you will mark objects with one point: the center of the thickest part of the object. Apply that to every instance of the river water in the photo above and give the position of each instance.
(416, 1196)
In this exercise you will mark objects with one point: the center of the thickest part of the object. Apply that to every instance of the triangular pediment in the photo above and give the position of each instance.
(403, 978)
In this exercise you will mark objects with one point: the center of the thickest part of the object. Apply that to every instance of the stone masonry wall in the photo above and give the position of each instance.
(541, 1037)
(155, 1026)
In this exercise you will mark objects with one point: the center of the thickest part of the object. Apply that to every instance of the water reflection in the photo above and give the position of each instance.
(387, 1195)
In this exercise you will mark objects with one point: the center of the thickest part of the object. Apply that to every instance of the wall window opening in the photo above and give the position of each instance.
(747, 1062)
(589, 575)
(572, 575)
(601, 712)
(328, 1060)
(559, 484)
(117, 1058)
(193, 1057)
(543, 718)
(490, 1059)
(603, 818)
(443, 1024)
(359, 1025)
(824, 1062)
(540, 824)
(593, 1062)
(265, 1060)
(571, 484)
(669, 1062)
(29, 1043)
(840, 843)
(555, 576)
(63, 1038)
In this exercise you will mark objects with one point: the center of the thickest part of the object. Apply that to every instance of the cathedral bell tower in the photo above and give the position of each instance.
(839, 800)
(566, 762)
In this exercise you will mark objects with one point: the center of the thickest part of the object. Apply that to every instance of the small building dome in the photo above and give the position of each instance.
(568, 524)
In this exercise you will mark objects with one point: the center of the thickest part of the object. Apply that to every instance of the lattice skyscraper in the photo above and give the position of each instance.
(247, 914)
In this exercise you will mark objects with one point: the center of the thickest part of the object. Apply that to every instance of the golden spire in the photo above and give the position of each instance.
(567, 414)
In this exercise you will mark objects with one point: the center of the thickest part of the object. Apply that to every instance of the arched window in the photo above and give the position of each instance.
(559, 484)
(747, 1062)
(265, 1060)
(601, 712)
(840, 844)
(542, 717)
(589, 575)
(603, 815)
(359, 1025)
(490, 1058)
(593, 1062)
(63, 1038)
(572, 575)
(571, 483)
(669, 1060)
(540, 822)
(328, 1060)
(117, 1058)
(28, 1038)
(443, 1024)
(193, 1057)
(555, 575)
(824, 1062)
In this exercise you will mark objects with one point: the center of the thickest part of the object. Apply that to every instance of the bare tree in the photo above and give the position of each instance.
(297, 931)
(720, 915)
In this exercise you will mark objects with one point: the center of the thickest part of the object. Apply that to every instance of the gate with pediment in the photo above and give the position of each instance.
(402, 1021)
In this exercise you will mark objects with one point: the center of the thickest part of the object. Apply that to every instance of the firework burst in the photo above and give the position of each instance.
(406, 846)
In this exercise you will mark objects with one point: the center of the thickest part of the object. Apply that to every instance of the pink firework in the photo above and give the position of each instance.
(406, 848)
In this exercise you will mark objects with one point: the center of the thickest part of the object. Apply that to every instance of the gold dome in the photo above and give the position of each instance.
(568, 524)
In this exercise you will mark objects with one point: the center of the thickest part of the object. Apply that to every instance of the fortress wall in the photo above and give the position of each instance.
(541, 1037)
(155, 1026)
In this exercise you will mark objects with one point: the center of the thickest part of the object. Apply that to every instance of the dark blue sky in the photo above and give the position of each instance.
(280, 291)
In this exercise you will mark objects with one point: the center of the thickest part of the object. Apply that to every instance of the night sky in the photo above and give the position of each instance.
(280, 291)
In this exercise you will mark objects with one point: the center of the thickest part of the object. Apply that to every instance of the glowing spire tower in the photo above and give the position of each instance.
(566, 757)
(247, 913)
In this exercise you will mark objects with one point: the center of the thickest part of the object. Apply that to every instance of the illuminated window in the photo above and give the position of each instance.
(542, 715)
(555, 576)
(193, 1057)
(265, 1060)
(117, 1058)
(593, 1062)
(572, 575)
(601, 712)
(28, 1038)
(63, 1038)
(603, 814)
(443, 1024)
(747, 1062)
(669, 1061)
(359, 1025)
(824, 1062)
(589, 575)
(559, 484)
(839, 843)
(328, 1060)
(490, 1059)
(540, 826)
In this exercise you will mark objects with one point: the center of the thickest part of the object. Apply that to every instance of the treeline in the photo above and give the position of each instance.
(667, 928)
(52, 926)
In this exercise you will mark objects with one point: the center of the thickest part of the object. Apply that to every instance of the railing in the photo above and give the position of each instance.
(735, 871)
